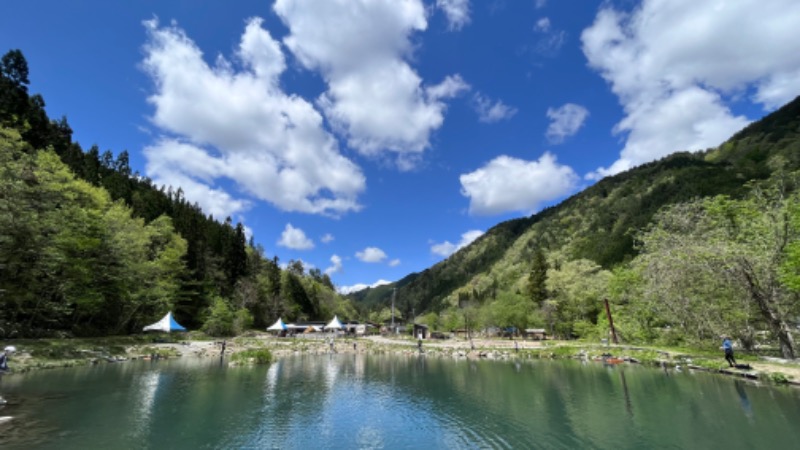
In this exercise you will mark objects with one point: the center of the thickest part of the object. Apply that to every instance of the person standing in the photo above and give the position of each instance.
(727, 346)
(4, 358)
(4, 365)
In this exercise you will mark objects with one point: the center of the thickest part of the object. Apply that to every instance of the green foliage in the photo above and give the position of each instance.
(537, 279)
(242, 321)
(253, 356)
(779, 378)
(219, 320)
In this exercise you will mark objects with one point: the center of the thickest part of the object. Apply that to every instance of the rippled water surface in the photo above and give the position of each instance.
(359, 401)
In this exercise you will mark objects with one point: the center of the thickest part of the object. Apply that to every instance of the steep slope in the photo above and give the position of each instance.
(598, 223)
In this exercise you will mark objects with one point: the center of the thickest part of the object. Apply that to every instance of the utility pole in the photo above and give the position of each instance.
(394, 292)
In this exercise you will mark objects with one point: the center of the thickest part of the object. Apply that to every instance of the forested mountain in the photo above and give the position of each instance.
(604, 229)
(89, 247)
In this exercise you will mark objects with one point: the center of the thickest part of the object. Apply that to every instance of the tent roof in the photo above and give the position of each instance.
(334, 324)
(167, 323)
(277, 326)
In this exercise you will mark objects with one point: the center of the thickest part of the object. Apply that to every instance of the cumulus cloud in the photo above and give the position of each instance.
(186, 166)
(327, 238)
(508, 184)
(447, 248)
(295, 239)
(457, 12)
(676, 65)
(371, 255)
(566, 120)
(336, 265)
(374, 98)
(394, 263)
(232, 121)
(540, 4)
(489, 111)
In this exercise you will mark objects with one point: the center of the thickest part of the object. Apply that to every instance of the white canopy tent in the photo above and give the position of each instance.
(277, 326)
(334, 324)
(167, 323)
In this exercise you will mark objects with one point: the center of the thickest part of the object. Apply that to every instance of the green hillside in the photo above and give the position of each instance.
(600, 224)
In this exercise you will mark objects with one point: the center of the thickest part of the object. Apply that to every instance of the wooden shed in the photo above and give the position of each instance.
(537, 334)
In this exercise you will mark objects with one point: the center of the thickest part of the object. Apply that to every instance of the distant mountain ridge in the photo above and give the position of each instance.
(598, 223)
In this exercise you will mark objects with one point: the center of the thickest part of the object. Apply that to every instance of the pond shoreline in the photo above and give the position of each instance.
(60, 353)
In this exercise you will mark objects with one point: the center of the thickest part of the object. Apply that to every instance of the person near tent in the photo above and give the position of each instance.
(727, 346)
(516, 346)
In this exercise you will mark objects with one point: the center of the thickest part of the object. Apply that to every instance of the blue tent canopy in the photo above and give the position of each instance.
(167, 323)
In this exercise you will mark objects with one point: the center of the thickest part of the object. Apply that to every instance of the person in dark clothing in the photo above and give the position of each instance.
(727, 346)
(419, 345)
(4, 358)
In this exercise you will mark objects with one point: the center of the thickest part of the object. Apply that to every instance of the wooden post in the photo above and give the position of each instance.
(611, 321)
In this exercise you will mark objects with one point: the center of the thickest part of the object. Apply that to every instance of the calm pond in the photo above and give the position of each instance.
(359, 401)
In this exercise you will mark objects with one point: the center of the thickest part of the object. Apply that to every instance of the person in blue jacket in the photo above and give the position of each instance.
(727, 346)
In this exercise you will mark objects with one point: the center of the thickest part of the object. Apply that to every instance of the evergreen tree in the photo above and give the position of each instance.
(537, 278)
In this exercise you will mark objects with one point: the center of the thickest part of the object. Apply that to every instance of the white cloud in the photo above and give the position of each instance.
(508, 184)
(394, 263)
(295, 239)
(447, 248)
(327, 238)
(336, 265)
(186, 166)
(540, 4)
(676, 64)
(457, 12)
(452, 86)
(566, 120)
(361, 47)
(344, 290)
(232, 121)
(490, 112)
(542, 25)
(371, 255)
(551, 41)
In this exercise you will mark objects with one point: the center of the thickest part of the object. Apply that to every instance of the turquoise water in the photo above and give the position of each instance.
(373, 402)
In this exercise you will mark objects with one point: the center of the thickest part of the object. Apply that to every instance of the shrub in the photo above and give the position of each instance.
(219, 321)
(253, 356)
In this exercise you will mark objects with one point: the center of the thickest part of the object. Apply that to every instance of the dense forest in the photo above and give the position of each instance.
(89, 247)
(685, 248)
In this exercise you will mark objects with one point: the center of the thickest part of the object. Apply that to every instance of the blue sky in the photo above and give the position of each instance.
(373, 138)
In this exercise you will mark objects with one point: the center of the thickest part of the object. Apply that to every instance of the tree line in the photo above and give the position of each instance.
(88, 246)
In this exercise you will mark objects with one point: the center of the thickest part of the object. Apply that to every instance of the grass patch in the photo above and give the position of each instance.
(252, 356)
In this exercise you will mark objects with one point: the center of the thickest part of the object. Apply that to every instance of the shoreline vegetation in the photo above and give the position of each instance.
(260, 348)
